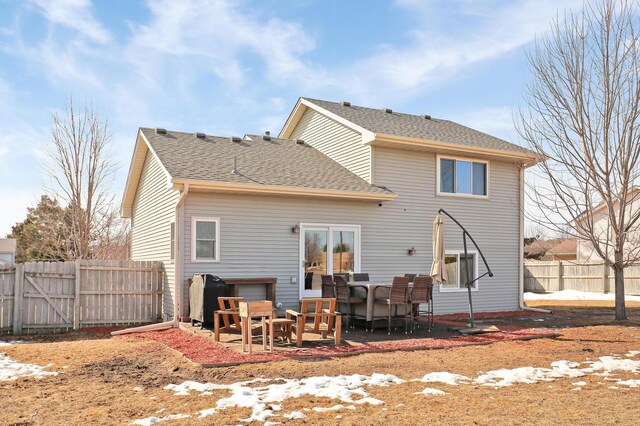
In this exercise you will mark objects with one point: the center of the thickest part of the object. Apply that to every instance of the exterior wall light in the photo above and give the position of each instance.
(411, 251)
(295, 229)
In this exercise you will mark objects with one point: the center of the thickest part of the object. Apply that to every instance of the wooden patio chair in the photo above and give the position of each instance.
(328, 288)
(248, 311)
(323, 313)
(229, 312)
(397, 296)
(422, 294)
(344, 295)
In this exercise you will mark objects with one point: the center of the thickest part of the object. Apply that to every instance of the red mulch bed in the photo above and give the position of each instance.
(206, 352)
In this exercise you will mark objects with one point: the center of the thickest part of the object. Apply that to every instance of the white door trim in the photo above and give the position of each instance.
(356, 229)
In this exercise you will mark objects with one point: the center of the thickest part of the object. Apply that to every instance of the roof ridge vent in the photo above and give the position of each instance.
(199, 135)
(426, 117)
(266, 136)
(345, 103)
(387, 110)
(161, 131)
(299, 142)
(235, 139)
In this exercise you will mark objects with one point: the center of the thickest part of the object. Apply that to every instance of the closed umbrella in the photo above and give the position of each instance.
(438, 271)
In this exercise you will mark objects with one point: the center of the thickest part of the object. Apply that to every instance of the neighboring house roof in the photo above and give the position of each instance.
(284, 166)
(539, 248)
(380, 124)
(567, 246)
(633, 195)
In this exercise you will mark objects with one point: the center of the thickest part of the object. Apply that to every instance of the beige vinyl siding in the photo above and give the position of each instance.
(493, 223)
(153, 212)
(256, 237)
(338, 142)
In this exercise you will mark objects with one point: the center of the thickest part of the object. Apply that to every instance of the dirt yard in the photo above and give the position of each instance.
(117, 380)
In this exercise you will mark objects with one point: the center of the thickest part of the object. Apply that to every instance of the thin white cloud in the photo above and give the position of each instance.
(224, 37)
(76, 15)
(433, 55)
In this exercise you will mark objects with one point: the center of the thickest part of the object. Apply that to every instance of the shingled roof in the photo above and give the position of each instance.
(274, 162)
(380, 122)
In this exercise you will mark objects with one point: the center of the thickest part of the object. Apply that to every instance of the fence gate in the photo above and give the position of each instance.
(47, 290)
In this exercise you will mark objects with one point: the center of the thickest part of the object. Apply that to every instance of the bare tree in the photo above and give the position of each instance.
(81, 168)
(582, 116)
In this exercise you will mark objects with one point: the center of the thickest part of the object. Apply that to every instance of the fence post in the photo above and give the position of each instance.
(76, 300)
(18, 294)
(605, 278)
(560, 283)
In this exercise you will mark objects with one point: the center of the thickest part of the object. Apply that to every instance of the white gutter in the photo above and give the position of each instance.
(177, 281)
(521, 304)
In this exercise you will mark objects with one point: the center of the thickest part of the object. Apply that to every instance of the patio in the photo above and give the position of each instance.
(199, 346)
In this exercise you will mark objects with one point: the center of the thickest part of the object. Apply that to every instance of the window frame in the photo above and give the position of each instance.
(194, 220)
(487, 164)
(459, 288)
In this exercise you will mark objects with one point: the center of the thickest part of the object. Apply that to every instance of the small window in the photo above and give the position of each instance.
(205, 239)
(456, 268)
(464, 177)
(172, 250)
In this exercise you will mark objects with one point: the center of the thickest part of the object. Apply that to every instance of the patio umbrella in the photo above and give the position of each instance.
(438, 271)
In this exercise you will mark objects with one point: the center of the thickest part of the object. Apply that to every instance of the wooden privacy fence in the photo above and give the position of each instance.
(58, 296)
(570, 275)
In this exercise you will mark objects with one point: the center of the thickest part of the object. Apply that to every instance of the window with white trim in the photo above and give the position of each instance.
(205, 238)
(455, 265)
(461, 176)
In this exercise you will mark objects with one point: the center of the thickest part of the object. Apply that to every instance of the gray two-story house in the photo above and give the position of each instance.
(343, 188)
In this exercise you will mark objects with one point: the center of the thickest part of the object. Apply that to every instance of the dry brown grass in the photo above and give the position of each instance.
(97, 385)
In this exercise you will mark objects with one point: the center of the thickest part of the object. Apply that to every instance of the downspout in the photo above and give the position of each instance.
(521, 304)
(177, 281)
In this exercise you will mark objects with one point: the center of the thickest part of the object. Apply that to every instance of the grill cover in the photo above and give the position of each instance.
(203, 297)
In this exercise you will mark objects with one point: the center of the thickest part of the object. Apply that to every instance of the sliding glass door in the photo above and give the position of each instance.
(327, 250)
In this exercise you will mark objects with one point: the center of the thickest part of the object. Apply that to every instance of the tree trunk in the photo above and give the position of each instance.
(618, 270)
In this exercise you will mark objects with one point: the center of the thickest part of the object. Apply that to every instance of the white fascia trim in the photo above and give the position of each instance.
(367, 135)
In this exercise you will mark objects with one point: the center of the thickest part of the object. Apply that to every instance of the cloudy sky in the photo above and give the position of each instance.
(236, 67)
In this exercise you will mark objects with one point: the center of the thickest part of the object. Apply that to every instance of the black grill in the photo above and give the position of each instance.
(203, 298)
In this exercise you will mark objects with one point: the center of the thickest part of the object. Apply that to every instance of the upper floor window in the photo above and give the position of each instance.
(205, 239)
(462, 176)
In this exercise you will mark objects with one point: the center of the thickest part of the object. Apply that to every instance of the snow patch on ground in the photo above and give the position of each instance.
(260, 398)
(444, 377)
(334, 408)
(12, 370)
(576, 295)
(12, 342)
(153, 420)
(431, 391)
(632, 383)
(264, 396)
(295, 415)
